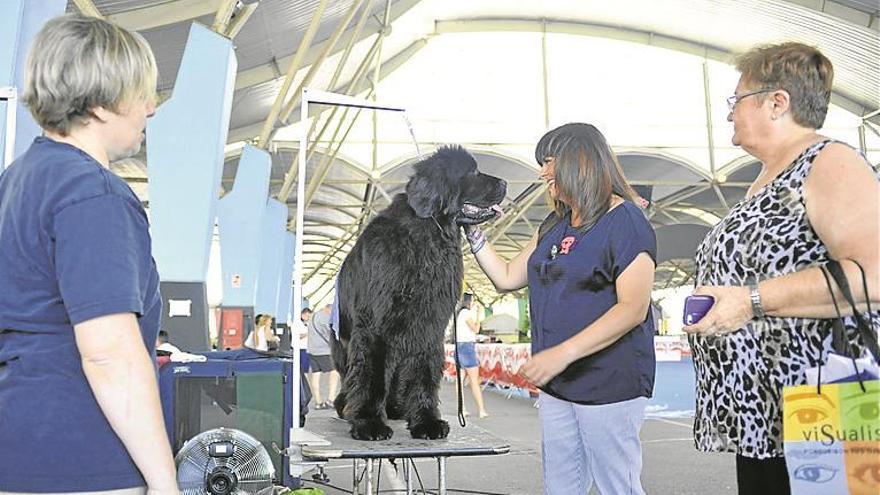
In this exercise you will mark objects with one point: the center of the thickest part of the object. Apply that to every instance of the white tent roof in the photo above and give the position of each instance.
(493, 75)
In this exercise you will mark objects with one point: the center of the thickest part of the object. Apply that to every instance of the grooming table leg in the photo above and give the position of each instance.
(369, 476)
(355, 485)
(441, 475)
(407, 476)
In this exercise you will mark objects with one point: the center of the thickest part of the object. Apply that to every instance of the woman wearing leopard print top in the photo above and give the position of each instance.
(814, 199)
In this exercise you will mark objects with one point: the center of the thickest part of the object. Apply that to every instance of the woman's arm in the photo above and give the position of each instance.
(842, 197)
(505, 275)
(123, 378)
(633, 288)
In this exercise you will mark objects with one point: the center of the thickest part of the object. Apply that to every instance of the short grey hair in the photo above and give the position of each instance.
(78, 63)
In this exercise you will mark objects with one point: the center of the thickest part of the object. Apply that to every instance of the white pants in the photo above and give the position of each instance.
(585, 444)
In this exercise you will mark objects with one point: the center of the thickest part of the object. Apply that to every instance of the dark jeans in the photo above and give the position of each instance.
(762, 476)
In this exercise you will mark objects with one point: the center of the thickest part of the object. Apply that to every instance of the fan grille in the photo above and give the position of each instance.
(249, 462)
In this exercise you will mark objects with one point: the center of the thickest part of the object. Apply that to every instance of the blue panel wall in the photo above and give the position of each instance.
(19, 22)
(274, 229)
(240, 218)
(185, 145)
(285, 287)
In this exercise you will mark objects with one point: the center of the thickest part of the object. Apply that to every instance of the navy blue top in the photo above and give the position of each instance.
(74, 245)
(571, 285)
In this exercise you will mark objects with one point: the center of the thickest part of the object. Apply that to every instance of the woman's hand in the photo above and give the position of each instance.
(545, 365)
(731, 311)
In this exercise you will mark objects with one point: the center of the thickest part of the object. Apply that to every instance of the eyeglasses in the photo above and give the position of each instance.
(733, 100)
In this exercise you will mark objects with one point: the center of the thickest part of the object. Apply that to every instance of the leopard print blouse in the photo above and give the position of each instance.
(740, 376)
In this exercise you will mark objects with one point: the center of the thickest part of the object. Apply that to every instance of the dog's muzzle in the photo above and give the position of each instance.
(471, 214)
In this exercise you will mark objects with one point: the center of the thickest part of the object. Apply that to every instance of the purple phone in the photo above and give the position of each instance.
(696, 307)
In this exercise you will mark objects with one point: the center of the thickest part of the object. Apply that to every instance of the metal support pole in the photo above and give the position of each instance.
(316, 65)
(355, 481)
(708, 102)
(222, 16)
(304, 45)
(544, 73)
(441, 475)
(87, 8)
(863, 143)
(407, 476)
(9, 95)
(369, 475)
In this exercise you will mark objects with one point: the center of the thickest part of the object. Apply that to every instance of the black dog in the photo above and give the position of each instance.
(397, 290)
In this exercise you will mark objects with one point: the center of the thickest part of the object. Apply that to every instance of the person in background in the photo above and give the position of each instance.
(304, 316)
(320, 361)
(263, 337)
(80, 305)
(162, 343)
(814, 199)
(590, 271)
(467, 328)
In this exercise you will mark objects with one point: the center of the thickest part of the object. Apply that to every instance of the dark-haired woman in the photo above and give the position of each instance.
(590, 271)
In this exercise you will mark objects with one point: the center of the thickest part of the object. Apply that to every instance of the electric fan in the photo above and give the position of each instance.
(224, 461)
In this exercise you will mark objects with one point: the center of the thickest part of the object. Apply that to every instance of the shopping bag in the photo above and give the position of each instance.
(831, 429)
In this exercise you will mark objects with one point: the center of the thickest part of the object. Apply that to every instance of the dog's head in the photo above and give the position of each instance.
(447, 183)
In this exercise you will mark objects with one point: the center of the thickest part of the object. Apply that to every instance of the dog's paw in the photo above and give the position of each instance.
(370, 430)
(431, 429)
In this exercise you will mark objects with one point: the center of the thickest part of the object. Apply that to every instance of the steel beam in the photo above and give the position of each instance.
(163, 14)
(87, 8)
(304, 44)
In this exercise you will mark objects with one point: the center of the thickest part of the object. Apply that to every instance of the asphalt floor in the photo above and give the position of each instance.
(671, 464)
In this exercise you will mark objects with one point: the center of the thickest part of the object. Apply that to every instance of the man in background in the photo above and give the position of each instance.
(320, 362)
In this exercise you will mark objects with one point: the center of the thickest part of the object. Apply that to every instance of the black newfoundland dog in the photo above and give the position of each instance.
(397, 290)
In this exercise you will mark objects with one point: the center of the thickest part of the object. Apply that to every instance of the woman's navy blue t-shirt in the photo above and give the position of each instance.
(74, 245)
(572, 279)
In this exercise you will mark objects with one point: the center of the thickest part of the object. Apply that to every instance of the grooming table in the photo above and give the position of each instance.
(470, 441)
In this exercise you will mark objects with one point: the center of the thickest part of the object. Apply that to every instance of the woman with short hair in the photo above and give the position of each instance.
(590, 271)
(814, 199)
(80, 305)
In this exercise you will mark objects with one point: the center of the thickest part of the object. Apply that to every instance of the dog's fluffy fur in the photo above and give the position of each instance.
(398, 289)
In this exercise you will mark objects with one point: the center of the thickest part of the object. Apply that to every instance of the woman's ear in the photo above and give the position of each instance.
(781, 102)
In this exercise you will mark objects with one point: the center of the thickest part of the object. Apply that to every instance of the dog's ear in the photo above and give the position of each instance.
(430, 191)
(435, 186)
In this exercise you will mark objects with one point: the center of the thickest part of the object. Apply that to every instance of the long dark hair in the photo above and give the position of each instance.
(587, 172)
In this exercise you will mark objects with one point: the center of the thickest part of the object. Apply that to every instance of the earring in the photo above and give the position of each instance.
(773, 117)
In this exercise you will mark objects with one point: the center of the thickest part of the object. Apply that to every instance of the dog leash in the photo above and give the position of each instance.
(461, 419)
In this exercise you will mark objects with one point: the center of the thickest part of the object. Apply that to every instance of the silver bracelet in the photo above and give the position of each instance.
(476, 239)
(755, 298)
(478, 244)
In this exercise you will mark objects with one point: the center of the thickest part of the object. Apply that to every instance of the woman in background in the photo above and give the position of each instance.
(467, 354)
(263, 337)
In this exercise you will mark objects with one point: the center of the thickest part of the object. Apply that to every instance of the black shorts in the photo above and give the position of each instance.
(320, 363)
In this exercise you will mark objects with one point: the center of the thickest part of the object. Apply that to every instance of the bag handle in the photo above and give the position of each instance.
(863, 325)
(839, 342)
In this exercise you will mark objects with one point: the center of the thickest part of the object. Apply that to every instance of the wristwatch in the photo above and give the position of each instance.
(755, 297)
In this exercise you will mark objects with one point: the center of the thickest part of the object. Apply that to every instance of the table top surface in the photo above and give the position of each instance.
(468, 441)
